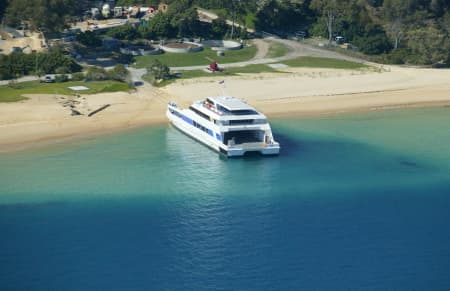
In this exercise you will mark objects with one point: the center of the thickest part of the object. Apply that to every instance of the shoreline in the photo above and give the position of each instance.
(87, 134)
(41, 121)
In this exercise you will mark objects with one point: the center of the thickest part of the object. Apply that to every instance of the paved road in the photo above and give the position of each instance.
(136, 74)
(296, 49)
(19, 80)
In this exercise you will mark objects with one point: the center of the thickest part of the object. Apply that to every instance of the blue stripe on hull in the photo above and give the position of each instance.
(191, 122)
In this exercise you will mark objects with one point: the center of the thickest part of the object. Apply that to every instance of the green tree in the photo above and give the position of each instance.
(96, 74)
(119, 73)
(185, 23)
(158, 71)
(395, 14)
(282, 15)
(53, 15)
(19, 64)
(158, 27)
(219, 27)
(54, 59)
(429, 45)
(329, 11)
(89, 39)
(5, 68)
(3, 4)
(134, 2)
(124, 32)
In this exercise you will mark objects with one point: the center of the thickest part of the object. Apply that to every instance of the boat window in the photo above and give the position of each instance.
(205, 116)
(236, 112)
(244, 112)
(201, 127)
(222, 109)
(222, 122)
(241, 121)
(243, 136)
(260, 121)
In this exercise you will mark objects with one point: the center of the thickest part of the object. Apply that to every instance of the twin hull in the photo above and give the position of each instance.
(212, 140)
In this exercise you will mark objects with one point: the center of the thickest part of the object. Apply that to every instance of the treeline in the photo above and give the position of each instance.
(395, 31)
(398, 31)
(117, 73)
(18, 64)
(49, 15)
(181, 20)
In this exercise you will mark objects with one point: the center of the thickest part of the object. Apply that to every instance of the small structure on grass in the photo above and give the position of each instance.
(181, 47)
(140, 49)
(222, 45)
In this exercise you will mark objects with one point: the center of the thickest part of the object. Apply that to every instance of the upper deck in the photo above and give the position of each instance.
(230, 104)
(227, 108)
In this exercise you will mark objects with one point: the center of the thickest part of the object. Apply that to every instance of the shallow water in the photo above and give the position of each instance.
(353, 202)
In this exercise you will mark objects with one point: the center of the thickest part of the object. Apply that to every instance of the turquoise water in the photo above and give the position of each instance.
(353, 202)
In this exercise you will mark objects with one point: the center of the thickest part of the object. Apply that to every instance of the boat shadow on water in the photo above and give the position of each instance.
(289, 146)
(352, 154)
(310, 150)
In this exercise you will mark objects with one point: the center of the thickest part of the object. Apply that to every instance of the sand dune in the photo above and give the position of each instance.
(42, 119)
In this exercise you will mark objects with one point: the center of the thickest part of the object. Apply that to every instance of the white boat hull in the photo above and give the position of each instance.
(215, 144)
(193, 132)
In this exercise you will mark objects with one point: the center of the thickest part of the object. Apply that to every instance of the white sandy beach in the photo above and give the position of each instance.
(43, 120)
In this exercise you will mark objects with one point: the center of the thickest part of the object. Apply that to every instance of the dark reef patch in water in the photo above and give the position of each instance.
(409, 164)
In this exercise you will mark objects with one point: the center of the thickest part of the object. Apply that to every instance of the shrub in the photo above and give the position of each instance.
(61, 78)
(118, 73)
(373, 45)
(158, 71)
(398, 56)
(96, 74)
(62, 70)
(123, 59)
(78, 76)
(14, 84)
(89, 39)
(125, 32)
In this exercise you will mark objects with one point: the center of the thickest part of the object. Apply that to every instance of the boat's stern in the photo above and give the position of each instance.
(255, 147)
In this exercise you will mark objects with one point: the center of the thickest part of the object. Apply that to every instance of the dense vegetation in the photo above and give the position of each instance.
(18, 64)
(396, 31)
(49, 15)
(414, 31)
(181, 20)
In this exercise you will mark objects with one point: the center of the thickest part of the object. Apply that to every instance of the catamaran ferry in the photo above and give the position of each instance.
(226, 124)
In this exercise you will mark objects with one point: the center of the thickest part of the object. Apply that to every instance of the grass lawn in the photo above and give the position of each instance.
(277, 50)
(250, 69)
(203, 57)
(314, 62)
(9, 94)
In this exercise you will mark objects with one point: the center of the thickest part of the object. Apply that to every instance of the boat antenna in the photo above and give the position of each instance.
(224, 87)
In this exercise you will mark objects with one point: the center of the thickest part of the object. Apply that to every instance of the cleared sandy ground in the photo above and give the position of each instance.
(29, 43)
(42, 119)
(318, 91)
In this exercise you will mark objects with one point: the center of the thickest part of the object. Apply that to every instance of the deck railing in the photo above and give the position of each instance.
(248, 145)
